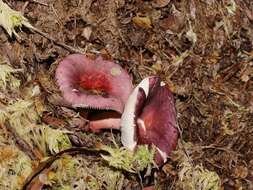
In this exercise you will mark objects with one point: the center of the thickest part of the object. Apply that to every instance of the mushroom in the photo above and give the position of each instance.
(94, 84)
(150, 118)
(149, 115)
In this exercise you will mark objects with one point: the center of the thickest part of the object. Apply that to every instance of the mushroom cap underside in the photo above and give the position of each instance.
(97, 84)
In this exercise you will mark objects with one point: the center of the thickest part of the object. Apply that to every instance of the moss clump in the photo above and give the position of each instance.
(194, 177)
(48, 139)
(197, 177)
(15, 167)
(7, 77)
(124, 159)
(82, 173)
(11, 19)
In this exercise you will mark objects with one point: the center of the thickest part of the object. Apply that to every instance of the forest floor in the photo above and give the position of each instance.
(202, 49)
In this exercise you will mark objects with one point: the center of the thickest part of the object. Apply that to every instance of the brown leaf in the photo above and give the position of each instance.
(249, 13)
(169, 170)
(87, 32)
(241, 172)
(168, 22)
(39, 105)
(53, 121)
(173, 22)
(160, 3)
(142, 21)
(7, 153)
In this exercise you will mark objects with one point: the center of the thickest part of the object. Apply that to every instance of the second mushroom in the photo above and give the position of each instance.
(150, 118)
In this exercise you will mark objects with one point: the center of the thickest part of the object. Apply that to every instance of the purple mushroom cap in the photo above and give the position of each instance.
(96, 84)
(150, 117)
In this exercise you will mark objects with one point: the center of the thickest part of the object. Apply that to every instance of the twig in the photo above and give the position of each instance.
(50, 161)
(24, 7)
(57, 16)
(22, 144)
(141, 182)
(67, 47)
(40, 3)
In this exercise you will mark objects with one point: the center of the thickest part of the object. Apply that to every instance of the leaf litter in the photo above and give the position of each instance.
(203, 49)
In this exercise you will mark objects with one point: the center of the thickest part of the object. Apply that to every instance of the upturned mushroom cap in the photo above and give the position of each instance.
(96, 84)
(149, 117)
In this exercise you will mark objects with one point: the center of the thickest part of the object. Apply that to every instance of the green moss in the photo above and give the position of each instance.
(124, 159)
(192, 177)
(7, 77)
(83, 173)
(11, 19)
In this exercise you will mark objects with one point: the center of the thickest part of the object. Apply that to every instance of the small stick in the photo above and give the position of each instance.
(22, 144)
(67, 47)
(38, 2)
(50, 161)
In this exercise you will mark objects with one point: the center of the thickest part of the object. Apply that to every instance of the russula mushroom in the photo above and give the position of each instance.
(149, 118)
(97, 84)
(93, 84)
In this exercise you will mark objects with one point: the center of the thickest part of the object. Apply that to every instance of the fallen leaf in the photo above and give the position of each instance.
(53, 121)
(168, 23)
(249, 13)
(160, 3)
(39, 105)
(241, 172)
(191, 35)
(174, 21)
(245, 78)
(142, 21)
(7, 153)
(87, 32)
(169, 170)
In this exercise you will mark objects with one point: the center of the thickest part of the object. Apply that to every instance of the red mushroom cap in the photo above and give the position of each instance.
(150, 118)
(98, 84)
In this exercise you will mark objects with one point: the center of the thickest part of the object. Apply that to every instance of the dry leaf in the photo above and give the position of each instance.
(40, 105)
(191, 35)
(245, 77)
(241, 172)
(87, 32)
(142, 21)
(168, 23)
(160, 3)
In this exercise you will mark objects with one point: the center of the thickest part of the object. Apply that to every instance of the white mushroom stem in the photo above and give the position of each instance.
(112, 123)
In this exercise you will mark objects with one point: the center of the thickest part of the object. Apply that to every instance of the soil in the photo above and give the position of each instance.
(202, 49)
